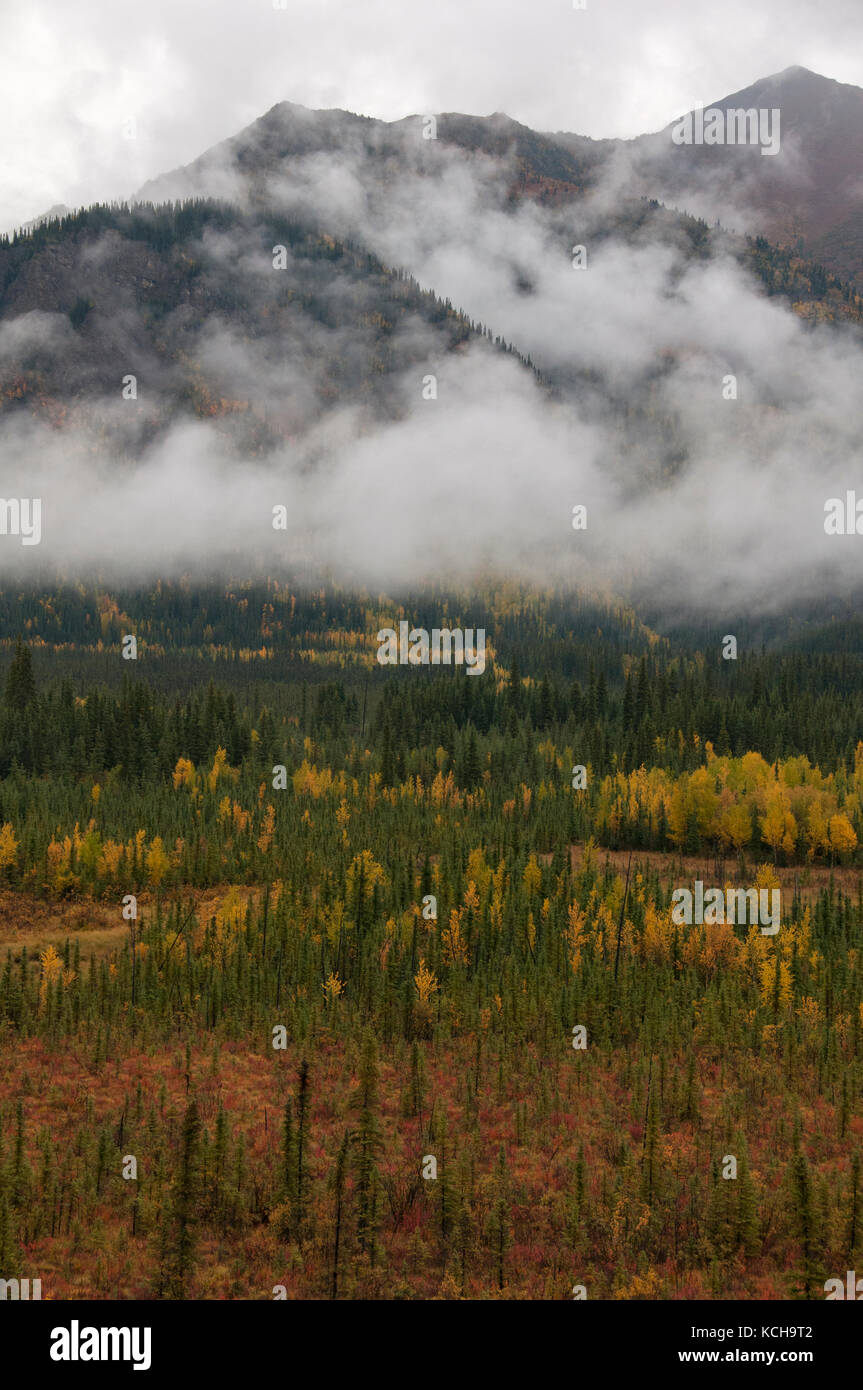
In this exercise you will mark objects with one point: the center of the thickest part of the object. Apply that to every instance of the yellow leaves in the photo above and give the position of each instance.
(158, 862)
(308, 781)
(775, 988)
(656, 940)
(332, 988)
(532, 877)
(574, 935)
(694, 799)
(755, 771)
(52, 966)
(51, 962)
(334, 921)
(109, 860)
(364, 866)
(454, 946)
(8, 847)
(218, 768)
(58, 855)
(96, 792)
(444, 791)
(229, 923)
(718, 946)
(372, 793)
(646, 1286)
(478, 872)
(843, 838)
(495, 912)
(810, 1011)
(471, 897)
(677, 816)
(185, 775)
(548, 753)
(734, 826)
(232, 811)
(425, 981)
(766, 877)
(779, 827)
(817, 831)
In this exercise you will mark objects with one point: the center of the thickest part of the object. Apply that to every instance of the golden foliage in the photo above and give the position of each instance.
(425, 982)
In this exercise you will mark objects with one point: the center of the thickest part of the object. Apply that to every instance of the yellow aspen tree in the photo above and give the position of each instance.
(843, 837)
(8, 848)
(158, 862)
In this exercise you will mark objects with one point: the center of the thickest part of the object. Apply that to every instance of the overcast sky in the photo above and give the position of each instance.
(189, 73)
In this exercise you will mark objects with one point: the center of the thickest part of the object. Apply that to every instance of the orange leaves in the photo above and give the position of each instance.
(265, 838)
(444, 791)
(231, 812)
(108, 865)
(309, 782)
(574, 935)
(8, 847)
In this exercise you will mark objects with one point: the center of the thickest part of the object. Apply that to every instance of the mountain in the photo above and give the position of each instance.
(289, 135)
(808, 196)
(317, 270)
(258, 326)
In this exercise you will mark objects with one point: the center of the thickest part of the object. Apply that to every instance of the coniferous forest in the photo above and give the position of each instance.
(323, 979)
(431, 680)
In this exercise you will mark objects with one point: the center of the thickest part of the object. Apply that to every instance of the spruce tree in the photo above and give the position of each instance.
(368, 1143)
(20, 682)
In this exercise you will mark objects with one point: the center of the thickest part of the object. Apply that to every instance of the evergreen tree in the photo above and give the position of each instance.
(20, 681)
(368, 1144)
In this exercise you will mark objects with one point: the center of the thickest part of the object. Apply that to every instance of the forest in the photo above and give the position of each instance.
(325, 980)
